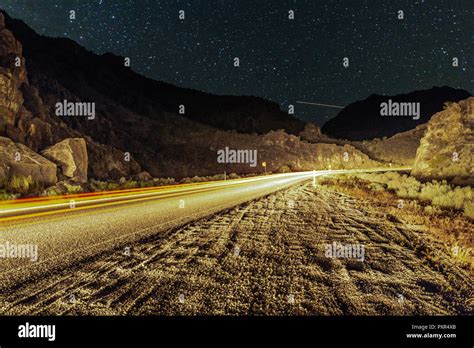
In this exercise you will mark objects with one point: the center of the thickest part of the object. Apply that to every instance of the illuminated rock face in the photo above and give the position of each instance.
(26, 117)
(281, 148)
(71, 156)
(18, 160)
(12, 77)
(447, 149)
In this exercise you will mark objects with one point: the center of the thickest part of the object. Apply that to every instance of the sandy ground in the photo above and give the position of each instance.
(267, 257)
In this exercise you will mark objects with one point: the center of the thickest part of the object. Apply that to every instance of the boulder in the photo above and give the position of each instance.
(71, 156)
(19, 160)
(143, 176)
(447, 149)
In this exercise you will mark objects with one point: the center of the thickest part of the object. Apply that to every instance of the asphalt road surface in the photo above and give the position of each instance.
(68, 230)
(267, 256)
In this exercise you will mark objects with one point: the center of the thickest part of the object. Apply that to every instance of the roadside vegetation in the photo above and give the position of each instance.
(435, 194)
(124, 184)
(447, 209)
(17, 186)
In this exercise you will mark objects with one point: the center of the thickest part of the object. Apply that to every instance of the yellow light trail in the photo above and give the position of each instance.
(11, 211)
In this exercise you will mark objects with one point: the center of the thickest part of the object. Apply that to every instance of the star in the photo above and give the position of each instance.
(281, 60)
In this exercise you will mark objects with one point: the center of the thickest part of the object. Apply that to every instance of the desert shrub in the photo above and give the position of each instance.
(430, 210)
(97, 185)
(217, 177)
(454, 199)
(112, 186)
(167, 181)
(130, 184)
(460, 253)
(284, 169)
(193, 179)
(209, 178)
(157, 182)
(23, 184)
(185, 181)
(375, 186)
(469, 209)
(5, 196)
(52, 191)
(72, 189)
(439, 194)
(433, 189)
(407, 192)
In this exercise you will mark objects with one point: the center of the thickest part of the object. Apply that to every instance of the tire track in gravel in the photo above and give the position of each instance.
(266, 257)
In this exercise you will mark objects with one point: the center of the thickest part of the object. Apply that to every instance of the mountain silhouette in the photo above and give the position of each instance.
(362, 120)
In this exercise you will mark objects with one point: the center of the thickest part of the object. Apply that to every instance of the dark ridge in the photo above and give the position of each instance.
(361, 120)
(87, 75)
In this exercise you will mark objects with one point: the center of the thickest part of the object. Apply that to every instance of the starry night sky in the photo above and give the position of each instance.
(280, 59)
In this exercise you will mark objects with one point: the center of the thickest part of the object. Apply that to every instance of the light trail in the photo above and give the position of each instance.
(41, 206)
(319, 104)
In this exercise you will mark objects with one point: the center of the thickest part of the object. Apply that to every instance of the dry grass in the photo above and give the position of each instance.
(469, 209)
(447, 211)
(19, 184)
(439, 194)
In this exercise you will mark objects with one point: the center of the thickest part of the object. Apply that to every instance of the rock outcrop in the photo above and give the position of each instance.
(27, 116)
(447, 149)
(399, 149)
(137, 126)
(71, 156)
(18, 160)
(289, 150)
(311, 133)
(12, 77)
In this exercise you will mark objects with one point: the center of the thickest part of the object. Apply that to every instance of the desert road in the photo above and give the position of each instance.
(69, 229)
(237, 247)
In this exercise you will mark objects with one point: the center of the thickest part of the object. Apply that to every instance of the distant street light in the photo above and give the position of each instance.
(264, 165)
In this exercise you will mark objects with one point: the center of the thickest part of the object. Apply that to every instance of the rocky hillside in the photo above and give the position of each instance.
(362, 120)
(62, 66)
(447, 149)
(136, 125)
(398, 149)
(28, 120)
